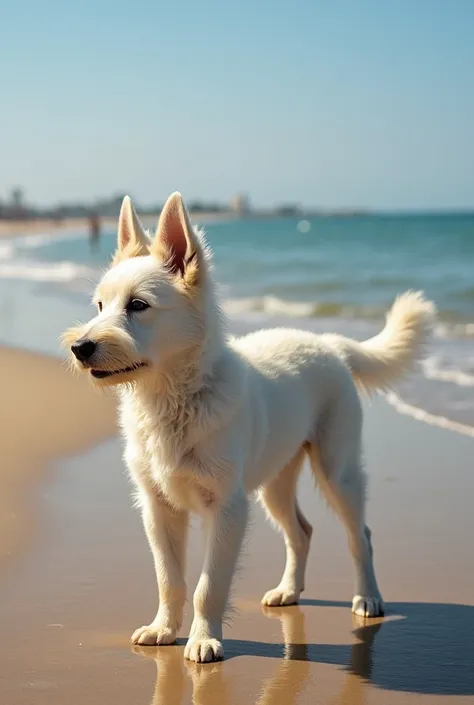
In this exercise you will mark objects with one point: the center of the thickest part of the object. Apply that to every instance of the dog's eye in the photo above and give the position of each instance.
(99, 306)
(137, 305)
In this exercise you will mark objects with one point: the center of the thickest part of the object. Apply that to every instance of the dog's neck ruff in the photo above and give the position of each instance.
(178, 394)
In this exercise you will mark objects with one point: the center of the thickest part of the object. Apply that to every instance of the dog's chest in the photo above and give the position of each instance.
(167, 460)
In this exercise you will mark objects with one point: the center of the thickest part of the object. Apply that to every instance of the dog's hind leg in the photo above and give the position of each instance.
(335, 461)
(279, 499)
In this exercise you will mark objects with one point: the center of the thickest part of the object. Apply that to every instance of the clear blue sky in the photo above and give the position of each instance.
(322, 102)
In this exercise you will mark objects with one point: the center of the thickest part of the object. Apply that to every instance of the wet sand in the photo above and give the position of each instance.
(45, 413)
(69, 605)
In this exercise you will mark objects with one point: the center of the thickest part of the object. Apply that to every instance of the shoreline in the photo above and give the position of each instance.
(441, 405)
(418, 414)
(21, 227)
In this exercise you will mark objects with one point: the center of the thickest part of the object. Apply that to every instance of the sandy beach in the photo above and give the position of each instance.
(70, 602)
(31, 226)
(46, 413)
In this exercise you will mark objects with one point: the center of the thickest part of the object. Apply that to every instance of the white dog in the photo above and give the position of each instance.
(209, 419)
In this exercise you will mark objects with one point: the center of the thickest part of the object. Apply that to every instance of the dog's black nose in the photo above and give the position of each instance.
(83, 349)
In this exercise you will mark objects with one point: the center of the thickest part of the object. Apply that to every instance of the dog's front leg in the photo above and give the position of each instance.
(166, 530)
(225, 531)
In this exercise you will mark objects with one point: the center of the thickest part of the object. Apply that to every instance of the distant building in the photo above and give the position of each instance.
(110, 206)
(240, 204)
(17, 206)
(17, 197)
(288, 210)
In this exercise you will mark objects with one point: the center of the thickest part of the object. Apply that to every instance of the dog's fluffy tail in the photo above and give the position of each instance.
(378, 362)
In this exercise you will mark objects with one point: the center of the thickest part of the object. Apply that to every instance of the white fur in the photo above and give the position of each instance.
(213, 419)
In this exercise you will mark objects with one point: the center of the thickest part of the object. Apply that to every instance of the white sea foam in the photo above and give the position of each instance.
(15, 266)
(40, 239)
(7, 250)
(416, 412)
(45, 271)
(432, 370)
(454, 330)
(270, 305)
(274, 306)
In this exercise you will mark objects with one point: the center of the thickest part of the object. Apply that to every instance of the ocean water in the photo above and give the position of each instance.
(325, 274)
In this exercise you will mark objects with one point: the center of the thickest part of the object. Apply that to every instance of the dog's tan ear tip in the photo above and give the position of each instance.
(175, 199)
(127, 203)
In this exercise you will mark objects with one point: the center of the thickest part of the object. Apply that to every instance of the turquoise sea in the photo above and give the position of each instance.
(323, 273)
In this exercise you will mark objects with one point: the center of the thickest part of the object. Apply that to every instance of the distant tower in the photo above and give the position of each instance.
(17, 197)
(17, 202)
(240, 204)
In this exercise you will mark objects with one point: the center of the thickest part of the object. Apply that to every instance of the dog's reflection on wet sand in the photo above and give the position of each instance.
(211, 685)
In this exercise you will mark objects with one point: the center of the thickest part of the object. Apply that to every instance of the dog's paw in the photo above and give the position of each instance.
(154, 635)
(203, 650)
(280, 596)
(368, 606)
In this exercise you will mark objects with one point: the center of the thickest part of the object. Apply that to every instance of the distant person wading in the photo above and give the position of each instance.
(94, 231)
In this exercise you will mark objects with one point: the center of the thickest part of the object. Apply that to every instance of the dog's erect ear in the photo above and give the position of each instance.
(132, 240)
(175, 242)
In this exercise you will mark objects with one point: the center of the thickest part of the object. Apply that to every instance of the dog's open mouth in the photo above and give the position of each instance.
(101, 374)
